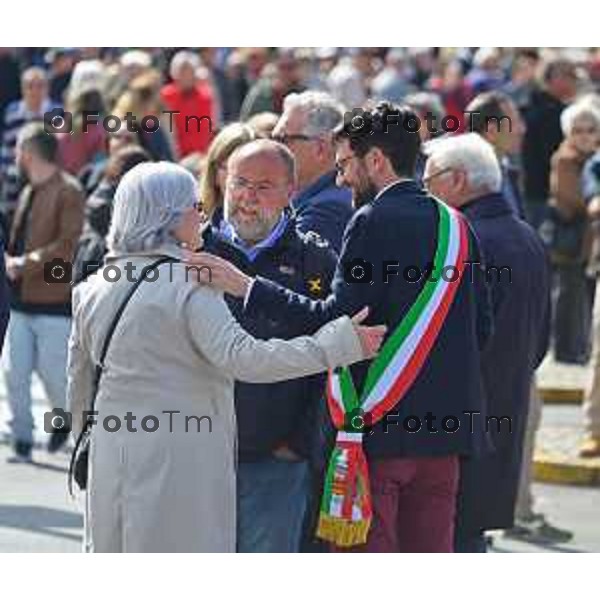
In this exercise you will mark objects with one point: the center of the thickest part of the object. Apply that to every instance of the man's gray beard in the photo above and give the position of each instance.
(255, 232)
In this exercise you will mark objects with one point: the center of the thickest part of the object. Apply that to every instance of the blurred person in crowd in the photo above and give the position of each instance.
(486, 73)
(4, 295)
(92, 173)
(44, 233)
(590, 447)
(423, 63)
(10, 81)
(570, 243)
(91, 248)
(195, 163)
(244, 67)
(543, 134)
(424, 104)
(194, 99)
(312, 74)
(324, 61)
(263, 123)
(225, 109)
(176, 492)
(143, 99)
(414, 476)
(87, 142)
(454, 91)
(255, 60)
(306, 128)
(61, 62)
(130, 65)
(34, 104)
(268, 93)
(212, 185)
(523, 77)
(594, 69)
(392, 82)
(464, 172)
(495, 117)
(88, 75)
(532, 526)
(348, 80)
(260, 237)
(235, 73)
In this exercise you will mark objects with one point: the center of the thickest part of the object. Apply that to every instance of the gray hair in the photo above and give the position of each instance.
(471, 154)
(148, 205)
(585, 108)
(182, 58)
(323, 112)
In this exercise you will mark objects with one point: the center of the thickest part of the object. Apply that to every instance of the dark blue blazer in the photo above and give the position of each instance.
(517, 346)
(270, 415)
(324, 208)
(401, 225)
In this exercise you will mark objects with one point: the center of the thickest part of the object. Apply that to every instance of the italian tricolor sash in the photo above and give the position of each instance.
(346, 511)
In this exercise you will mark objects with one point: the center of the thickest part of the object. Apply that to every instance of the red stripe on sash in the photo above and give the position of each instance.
(416, 361)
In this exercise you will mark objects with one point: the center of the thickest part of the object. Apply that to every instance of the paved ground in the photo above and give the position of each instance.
(558, 375)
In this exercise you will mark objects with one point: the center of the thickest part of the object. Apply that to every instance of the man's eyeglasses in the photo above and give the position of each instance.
(340, 165)
(427, 179)
(261, 188)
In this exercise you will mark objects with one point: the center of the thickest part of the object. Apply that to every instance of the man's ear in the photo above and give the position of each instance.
(460, 180)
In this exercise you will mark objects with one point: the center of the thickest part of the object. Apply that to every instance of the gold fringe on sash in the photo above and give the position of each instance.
(341, 532)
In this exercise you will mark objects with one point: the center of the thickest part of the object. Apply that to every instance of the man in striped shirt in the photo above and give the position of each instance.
(34, 103)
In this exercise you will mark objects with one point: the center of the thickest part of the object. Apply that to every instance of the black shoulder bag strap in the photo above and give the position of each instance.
(100, 366)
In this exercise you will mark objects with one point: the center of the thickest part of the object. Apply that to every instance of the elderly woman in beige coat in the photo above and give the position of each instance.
(162, 462)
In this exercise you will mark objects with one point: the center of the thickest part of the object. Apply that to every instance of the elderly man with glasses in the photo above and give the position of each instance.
(276, 422)
(306, 127)
(464, 172)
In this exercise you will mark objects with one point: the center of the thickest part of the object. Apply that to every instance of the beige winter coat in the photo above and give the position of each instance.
(177, 348)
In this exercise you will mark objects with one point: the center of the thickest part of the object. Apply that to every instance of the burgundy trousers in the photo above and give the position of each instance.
(414, 505)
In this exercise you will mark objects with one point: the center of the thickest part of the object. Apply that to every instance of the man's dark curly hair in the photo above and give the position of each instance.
(391, 128)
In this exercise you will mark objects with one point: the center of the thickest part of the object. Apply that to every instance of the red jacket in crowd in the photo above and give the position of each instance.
(197, 102)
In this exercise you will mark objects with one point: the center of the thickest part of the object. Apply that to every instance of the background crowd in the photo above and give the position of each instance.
(226, 97)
